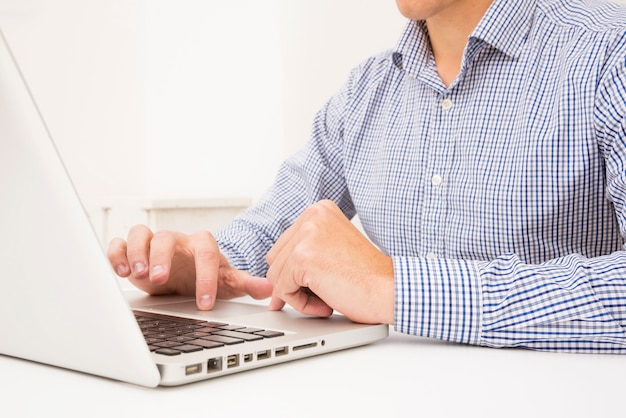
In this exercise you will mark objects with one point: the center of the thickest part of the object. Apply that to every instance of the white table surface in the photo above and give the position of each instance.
(399, 376)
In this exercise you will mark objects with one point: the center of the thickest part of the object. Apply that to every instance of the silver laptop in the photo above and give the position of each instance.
(61, 304)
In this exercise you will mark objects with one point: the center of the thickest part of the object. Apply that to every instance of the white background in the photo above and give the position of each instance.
(186, 98)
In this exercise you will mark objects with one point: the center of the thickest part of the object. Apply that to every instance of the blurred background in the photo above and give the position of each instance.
(177, 113)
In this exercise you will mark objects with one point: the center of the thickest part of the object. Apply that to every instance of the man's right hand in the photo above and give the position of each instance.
(169, 262)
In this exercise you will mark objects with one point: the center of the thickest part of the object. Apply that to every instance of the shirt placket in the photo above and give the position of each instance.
(437, 175)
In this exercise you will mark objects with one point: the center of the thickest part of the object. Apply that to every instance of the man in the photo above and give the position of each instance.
(485, 158)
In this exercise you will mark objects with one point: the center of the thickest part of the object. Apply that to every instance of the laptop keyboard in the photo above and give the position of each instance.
(173, 335)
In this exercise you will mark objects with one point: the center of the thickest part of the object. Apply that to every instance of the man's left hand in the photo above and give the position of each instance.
(324, 263)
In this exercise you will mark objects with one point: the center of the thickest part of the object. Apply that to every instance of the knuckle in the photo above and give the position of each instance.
(206, 254)
(204, 246)
(139, 229)
(116, 248)
(162, 236)
(327, 204)
(320, 210)
(314, 211)
(203, 236)
(302, 254)
(162, 243)
(310, 231)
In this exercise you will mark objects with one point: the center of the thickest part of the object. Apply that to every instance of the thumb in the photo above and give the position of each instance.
(276, 304)
(256, 287)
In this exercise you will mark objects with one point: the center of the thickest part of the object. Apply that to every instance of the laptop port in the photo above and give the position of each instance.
(193, 369)
(232, 361)
(304, 346)
(247, 358)
(262, 355)
(281, 351)
(214, 365)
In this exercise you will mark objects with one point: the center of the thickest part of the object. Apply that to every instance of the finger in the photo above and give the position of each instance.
(116, 253)
(276, 304)
(291, 286)
(283, 241)
(280, 256)
(233, 283)
(162, 248)
(256, 287)
(292, 256)
(138, 248)
(304, 225)
(303, 301)
(207, 263)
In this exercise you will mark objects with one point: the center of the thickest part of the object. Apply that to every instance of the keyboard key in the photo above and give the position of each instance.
(215, 324)
(228, 327)
(188, 348)
(249, 330)
(151, 340)
(240, 335)
(167, 352)
(181, 338)
(224, 339)
(207, 343)
(208, 330)
(270, 334)
(167, 344)
(197, 334)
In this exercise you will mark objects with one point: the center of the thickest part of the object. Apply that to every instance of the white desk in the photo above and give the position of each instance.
(400, 376)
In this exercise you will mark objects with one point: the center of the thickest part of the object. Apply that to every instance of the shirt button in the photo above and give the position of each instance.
(446, 104)
(436, 180)
(431, 256)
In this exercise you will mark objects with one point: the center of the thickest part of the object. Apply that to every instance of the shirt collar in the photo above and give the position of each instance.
(504, 26)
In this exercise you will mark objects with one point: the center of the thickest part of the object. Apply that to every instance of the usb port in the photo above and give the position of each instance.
(262, 355)
(281, 351)
(232, 361)
(193, 369)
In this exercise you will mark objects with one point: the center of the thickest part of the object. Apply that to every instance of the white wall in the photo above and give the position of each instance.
(212, 85)
(322, 40)
(231, 87)
(82, 61)
(185, 98)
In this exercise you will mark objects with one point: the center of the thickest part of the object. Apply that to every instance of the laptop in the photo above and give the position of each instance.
(62, 305)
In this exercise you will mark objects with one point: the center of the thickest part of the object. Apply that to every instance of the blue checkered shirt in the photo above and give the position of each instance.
(501, 198)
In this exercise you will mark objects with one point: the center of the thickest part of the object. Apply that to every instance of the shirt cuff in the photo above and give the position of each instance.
(243, 249)
(438, 298)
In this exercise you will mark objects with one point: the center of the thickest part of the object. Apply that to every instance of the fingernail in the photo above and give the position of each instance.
(156, 270)
(122, 270)
(139, 267)
(204, 302)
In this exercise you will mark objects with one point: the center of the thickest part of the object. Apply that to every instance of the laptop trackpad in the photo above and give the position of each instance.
(222, 309)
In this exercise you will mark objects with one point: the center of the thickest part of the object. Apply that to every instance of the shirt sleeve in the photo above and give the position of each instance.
(438, 298)
(569, 304)
(312, 174)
